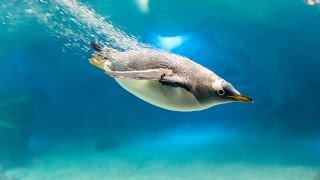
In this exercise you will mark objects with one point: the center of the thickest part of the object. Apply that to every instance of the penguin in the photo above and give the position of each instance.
(166, 80)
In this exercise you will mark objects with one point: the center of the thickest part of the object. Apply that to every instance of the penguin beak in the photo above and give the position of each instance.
(241, 98)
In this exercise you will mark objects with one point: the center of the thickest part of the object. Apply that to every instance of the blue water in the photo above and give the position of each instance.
(62, 118)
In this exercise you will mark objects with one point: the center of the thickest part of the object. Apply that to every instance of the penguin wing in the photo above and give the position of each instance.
(164, 76)
(150, 74)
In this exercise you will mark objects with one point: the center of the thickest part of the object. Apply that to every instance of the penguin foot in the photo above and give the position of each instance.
(97, 61)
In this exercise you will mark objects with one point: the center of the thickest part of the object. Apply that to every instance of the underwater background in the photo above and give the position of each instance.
(62, 118)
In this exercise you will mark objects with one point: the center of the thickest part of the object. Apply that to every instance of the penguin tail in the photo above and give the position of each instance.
(100, 55)
(99, 48)
(96, 46)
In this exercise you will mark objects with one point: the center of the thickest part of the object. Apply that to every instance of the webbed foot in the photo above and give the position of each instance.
(97, 61)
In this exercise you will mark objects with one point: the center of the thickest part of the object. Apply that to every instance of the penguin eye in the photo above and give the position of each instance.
(221, 92)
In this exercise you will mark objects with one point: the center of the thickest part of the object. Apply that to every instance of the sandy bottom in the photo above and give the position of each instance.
(150, 162)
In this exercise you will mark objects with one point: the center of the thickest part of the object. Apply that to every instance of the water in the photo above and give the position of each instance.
(67, 120)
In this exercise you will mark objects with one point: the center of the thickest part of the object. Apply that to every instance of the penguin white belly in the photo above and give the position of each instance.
(164, 96)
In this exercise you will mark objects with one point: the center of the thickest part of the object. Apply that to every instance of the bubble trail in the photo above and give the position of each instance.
(71, 20)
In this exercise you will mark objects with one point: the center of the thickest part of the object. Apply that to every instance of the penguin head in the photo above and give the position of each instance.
(224, 92)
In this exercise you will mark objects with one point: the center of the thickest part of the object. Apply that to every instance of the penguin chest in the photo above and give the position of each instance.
(164, 96)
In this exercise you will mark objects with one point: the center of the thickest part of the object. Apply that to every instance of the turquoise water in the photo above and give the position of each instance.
(61, 118)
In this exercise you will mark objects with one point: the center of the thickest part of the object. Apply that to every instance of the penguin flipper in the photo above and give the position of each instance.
(164, 76)
(150, 74)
